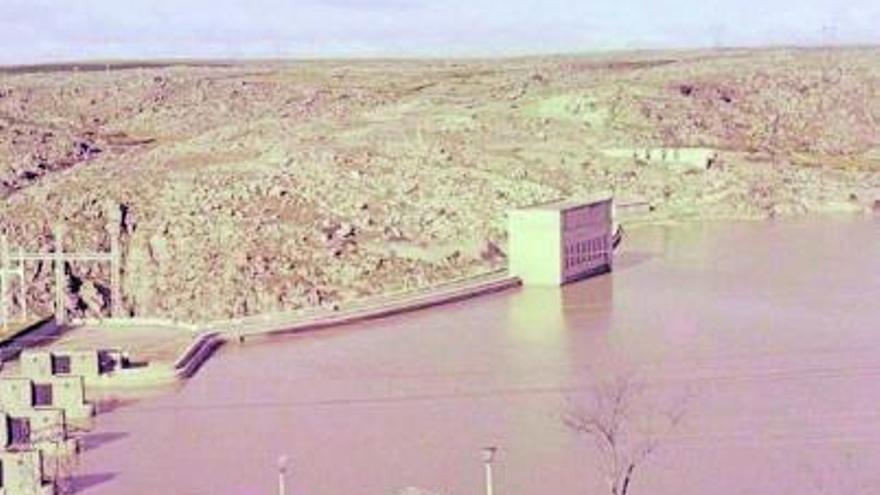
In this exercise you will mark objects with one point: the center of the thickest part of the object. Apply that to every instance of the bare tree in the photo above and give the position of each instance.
(625, 427)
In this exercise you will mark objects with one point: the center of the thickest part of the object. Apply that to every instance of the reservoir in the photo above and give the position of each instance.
(766, 334)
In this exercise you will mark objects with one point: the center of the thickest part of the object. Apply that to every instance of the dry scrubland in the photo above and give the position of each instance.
(249, 188)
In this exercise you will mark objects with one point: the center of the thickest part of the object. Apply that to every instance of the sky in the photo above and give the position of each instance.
(34, 31)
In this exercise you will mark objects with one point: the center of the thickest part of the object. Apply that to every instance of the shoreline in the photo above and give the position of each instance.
(415, 300)
(208, 341)
(210, 336)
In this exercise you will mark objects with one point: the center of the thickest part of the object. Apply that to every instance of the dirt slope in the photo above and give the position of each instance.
(258, 187)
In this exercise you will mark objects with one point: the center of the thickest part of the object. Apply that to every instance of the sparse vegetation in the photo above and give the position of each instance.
(259, 187)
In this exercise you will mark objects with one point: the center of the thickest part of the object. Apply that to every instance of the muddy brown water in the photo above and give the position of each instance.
(773, 329)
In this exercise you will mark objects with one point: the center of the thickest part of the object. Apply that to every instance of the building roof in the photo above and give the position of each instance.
(567, 204)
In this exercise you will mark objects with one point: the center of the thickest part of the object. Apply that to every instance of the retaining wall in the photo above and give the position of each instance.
(375, 308)
(197, 353)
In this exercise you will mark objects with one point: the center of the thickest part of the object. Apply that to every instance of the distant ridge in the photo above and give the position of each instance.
(115, 65)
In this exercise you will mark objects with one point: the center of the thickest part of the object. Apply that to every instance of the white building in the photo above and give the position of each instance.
(560, 242)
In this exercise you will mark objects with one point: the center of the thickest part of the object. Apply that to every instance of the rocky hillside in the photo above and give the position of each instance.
(249, 188)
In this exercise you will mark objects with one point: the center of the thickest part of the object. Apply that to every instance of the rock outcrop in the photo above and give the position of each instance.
(261, 187)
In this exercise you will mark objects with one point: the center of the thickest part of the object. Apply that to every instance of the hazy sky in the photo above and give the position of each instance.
(43, 30)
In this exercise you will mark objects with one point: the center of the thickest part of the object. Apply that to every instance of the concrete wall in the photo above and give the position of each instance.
(35, 364)
(47, 425)
(197, 353)
(549, 246)
(48, 432)
(87, 364)
(68, 393)
(82, 363)
(586, 245)
(534, 243)
(23, 474)
(371, 308)
(16, 394)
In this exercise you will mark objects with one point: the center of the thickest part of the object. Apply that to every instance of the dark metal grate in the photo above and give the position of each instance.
(19, 431)
(60, 365)
(42, 394)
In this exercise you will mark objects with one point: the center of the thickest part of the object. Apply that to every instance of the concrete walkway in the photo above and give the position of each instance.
(218, 333)
(176, 351)
(147, 342)
(376, 307)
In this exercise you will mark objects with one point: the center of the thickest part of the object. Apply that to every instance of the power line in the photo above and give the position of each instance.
(13, 265)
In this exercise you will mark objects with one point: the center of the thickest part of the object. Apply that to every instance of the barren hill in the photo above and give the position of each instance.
(253, 187)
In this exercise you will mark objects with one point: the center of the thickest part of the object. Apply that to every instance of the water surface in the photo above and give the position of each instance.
(773, 329)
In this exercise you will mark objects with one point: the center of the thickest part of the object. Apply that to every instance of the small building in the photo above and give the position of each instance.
(560, 242)
(21, 473)
(66, 393)
(685, 158)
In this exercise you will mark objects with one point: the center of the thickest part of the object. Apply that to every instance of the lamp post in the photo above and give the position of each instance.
(488, 454)
(282, 475)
